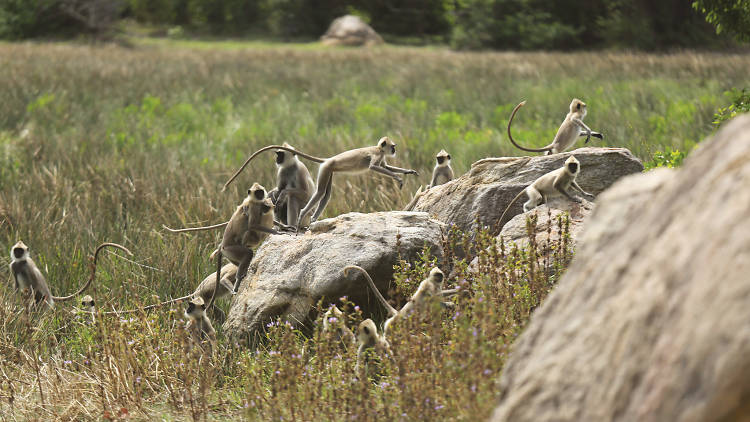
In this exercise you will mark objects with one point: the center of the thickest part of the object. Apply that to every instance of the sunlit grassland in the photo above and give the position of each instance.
(107, 143)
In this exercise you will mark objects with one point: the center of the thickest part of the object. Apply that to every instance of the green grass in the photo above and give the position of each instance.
(107, 143)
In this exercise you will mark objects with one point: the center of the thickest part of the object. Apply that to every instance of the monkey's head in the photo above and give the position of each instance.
(577, 106)
(87, 302)
(257, 192)
(572, 165)
(436, 276)
(332, 317)
(443, 158)
(196, 308)
(367, 332)
(284, 158)
(19, 251)
(387, 146)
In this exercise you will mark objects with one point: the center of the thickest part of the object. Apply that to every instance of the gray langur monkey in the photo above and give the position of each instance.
(570, 129)
(250, 225)
(294, 187)
(429, 289)
(27, 275)
(199, 327)
(354, 161)
(87, 305)
(442, 173)
(555, 183)
(334, 325)
(369, 341)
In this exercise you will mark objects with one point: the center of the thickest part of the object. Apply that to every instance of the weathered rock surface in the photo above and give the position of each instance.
(651, 321)
(350, 30)
(289, 274)
(547, 215)
(492, 183)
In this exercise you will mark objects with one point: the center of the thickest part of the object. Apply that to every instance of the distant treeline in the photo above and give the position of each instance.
(465, 24)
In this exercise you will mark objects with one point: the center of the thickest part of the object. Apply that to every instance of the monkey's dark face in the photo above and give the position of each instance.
(440, 160)
(18, 252)
(437, 276)
(195, 311)
(280, 155)
(573, 167)
(87, 303)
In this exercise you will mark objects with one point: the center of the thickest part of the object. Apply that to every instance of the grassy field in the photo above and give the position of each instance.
(107, 143)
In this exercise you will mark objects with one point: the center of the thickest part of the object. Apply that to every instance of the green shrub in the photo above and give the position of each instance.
(740, 103)
(669, 158)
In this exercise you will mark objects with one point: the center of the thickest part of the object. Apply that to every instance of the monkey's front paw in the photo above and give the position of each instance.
(400, 182)
(597, 135)
(414, 172)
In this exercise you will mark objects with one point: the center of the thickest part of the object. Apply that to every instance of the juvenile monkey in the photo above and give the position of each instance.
(555, 183)
(27, 275)
(570, 129)
(429, 289)
(87, 305)
(334, 324)
(199, 327)
(369, 341)
(442, 173)
(353, 161)
(294, 187)
(249, 226)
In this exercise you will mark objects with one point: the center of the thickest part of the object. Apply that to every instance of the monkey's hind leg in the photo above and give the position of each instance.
(535, 197)
(241, 256)
(324, 200)
(324, 175)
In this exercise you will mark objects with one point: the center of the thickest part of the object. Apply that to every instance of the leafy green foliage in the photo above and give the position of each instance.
(732, 16)
(669, 159)
(740, 103)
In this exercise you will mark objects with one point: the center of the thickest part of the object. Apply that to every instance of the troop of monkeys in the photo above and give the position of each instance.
(289, 206)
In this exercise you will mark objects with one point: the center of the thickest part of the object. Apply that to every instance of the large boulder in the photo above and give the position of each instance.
(485, 191)
(352, 31)
(547, 215)
(651, 321)
(289, 274)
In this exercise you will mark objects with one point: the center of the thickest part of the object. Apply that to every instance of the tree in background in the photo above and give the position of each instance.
(465, 24)
(732, 16)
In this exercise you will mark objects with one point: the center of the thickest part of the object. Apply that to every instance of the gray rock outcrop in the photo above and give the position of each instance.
(547, 214)
(492, 183)
(652, 320)
(289, 274)
(352, 31)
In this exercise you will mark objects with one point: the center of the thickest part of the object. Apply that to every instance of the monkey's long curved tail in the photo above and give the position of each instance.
(147, 308)
(512, 115)
(418, 194)
(391, 310)
(93, 270)
(498, 227)
(281, 147)
(195, 229)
